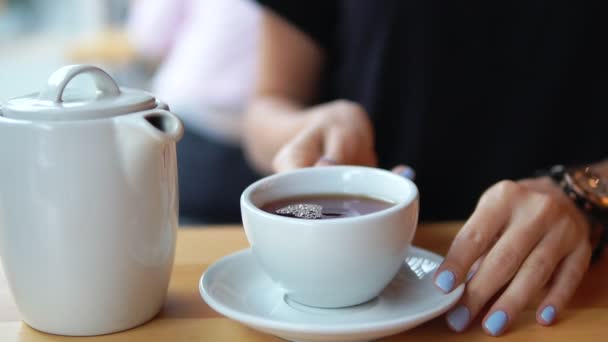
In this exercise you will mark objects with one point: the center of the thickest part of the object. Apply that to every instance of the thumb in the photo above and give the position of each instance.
(335, 148)
(347, 147)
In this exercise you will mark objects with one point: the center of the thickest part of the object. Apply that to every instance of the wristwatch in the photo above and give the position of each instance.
(588, 189)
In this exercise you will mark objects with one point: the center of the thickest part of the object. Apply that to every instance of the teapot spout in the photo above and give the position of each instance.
(165, 124)
(146, 141)
(151, 128)
(162, 124)
(158, 125)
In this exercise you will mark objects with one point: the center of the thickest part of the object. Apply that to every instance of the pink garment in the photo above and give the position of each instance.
(209, 49)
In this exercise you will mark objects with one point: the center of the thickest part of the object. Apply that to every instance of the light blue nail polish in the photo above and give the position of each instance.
(496, 322)
(445, 281)
(548, 314)
(458, 318)
(408, 173)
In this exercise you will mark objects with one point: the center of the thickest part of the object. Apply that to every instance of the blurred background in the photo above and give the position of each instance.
(196, 55)
(38, 36)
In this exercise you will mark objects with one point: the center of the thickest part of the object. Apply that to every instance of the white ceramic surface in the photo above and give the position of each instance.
(334, 262)
(57, 102)
(238, 288)
(88, 206)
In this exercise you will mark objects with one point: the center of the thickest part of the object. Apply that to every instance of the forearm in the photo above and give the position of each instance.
(270, 122)
(289, 66)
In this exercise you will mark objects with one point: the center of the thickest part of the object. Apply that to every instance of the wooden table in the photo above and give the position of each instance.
(186, 317)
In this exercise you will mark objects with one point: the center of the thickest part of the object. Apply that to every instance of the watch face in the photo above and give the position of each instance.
(592, 184)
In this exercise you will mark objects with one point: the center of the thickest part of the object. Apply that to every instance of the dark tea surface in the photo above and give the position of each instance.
(326, 206)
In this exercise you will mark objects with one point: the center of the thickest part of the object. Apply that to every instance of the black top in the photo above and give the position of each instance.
(467, 92)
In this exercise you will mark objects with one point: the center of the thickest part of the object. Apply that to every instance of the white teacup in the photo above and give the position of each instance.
(335, 262)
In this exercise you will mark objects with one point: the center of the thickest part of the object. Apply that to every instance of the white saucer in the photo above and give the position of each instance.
(236, 287)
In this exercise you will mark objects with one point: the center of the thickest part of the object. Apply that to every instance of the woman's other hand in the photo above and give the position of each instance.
(522, 237)
(338, 132)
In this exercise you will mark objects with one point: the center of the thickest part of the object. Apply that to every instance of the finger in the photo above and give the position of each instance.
(368, 157)
(459, 317)
(326, 161)
(339, 146)
(474, 268)
(529, 280)
(504, 260)
(405, 171)
(303, 151)
(478, 233)
(343, 147)
(566, 279)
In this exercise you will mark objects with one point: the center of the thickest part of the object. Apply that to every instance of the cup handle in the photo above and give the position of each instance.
(59, 80)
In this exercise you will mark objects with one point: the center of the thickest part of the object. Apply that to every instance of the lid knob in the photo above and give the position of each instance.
(62, 77)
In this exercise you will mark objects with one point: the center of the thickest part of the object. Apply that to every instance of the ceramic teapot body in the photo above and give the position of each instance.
(88, 209)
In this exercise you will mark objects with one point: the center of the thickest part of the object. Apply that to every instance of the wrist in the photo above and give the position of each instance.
(587, 188)
(269, 123)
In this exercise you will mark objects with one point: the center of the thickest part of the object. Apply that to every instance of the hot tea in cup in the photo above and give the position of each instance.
(331, 236)
(326, 206)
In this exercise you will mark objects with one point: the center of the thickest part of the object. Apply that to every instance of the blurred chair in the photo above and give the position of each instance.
(111, 46)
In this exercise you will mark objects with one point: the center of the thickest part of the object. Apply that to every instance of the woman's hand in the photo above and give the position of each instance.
(522, 236)
(339, 132)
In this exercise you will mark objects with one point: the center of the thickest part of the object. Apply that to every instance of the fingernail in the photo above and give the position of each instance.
(548, 314)
(325, 161)
(496, 322)
(458, 318)
(408, 173)
(445, 281)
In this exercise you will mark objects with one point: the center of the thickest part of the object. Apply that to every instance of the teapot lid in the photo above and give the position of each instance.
(55, 103)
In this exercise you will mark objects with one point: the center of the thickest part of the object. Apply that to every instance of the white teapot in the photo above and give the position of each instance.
(88, 204)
